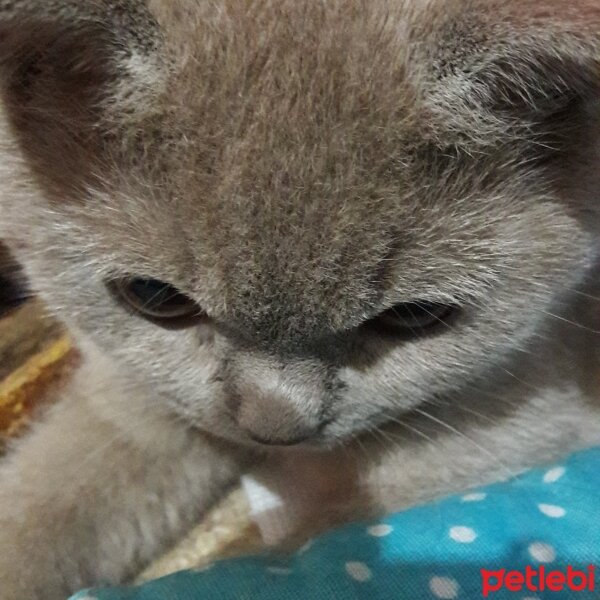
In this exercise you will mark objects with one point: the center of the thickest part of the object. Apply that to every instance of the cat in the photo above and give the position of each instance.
(359, 229)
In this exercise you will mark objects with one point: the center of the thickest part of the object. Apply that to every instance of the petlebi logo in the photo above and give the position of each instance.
(538, 579)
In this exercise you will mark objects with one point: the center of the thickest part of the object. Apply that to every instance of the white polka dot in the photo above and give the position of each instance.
(279, 570)
(359, 571)
(474, 497)
(542, 552)
(556, 512)
(306, 547)
(463, 535)
(444, 588)
(554, 474)
(380, 530)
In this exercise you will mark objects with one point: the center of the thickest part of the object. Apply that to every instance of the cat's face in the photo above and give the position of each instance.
(367, 207)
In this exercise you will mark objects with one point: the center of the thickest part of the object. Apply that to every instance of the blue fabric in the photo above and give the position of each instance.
(548, 517)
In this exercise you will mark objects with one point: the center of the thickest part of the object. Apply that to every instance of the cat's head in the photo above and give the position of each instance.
(296, 220)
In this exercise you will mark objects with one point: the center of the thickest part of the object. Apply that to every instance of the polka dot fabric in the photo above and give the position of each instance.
(547, 517)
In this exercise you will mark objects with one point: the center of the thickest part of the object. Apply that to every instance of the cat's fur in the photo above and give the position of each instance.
(297, 167)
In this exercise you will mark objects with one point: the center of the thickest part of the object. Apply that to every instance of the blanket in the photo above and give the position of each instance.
(536, 536)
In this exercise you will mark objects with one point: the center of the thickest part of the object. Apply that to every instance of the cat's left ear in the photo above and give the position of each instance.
(64, 64)
(520, 66)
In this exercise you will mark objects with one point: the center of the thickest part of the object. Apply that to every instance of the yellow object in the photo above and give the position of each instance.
(25, 387)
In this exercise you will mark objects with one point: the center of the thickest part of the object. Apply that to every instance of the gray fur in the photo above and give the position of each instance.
(297, 168)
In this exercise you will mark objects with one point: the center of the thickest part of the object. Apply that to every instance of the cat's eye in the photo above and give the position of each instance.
(413, 318)
(157, 301)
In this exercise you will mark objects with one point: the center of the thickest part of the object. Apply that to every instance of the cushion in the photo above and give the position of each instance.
(536, 536)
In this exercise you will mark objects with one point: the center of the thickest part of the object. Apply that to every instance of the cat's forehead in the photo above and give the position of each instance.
(290, 72)
(282, 170)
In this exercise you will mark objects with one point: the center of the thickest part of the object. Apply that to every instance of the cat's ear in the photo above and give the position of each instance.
(63, 64)
(521, 66)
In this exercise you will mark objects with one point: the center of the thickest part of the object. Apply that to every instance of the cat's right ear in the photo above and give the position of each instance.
(63, 65)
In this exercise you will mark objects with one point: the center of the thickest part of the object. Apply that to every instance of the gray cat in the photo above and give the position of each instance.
(368, 226)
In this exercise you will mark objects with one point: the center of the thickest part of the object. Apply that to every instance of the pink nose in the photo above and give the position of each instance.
(273, 420)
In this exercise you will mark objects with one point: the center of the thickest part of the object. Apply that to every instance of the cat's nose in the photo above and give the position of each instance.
(273, 419)
(276, 402)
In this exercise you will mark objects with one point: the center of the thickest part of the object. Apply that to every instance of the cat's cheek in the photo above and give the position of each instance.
(176, 371)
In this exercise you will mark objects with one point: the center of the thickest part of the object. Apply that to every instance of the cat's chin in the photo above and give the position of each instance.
(311, 450)
(323, 443)
(317, 444)
(313, 445)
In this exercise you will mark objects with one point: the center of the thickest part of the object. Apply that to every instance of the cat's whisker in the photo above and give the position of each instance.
(570, 322)
(465, 437)
(412, 429)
